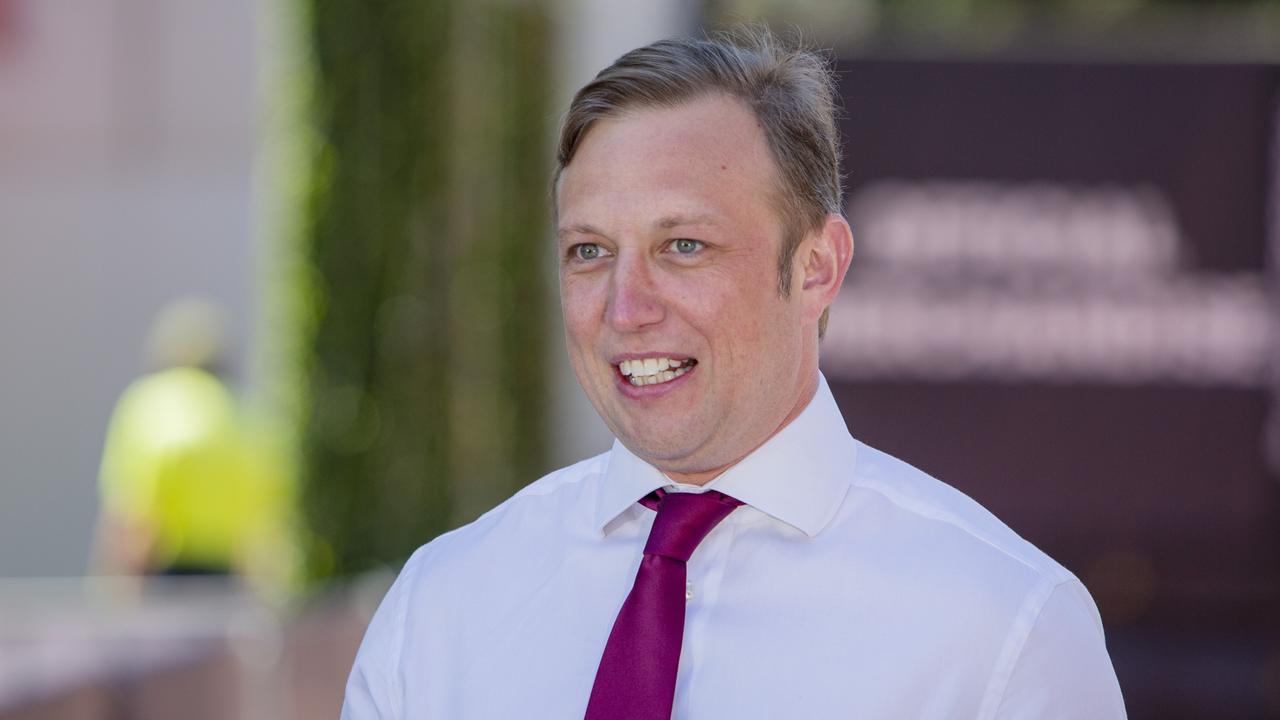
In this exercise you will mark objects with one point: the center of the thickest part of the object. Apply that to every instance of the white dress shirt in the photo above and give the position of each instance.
(850, 585)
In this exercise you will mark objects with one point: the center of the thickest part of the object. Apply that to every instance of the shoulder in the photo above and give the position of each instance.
(935, 511)
(996, 586)
(531, 521)
(487, 558)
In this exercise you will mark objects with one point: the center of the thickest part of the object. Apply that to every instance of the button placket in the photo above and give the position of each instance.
(706, 569)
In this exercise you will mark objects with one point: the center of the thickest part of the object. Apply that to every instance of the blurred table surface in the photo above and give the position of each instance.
(77, 648)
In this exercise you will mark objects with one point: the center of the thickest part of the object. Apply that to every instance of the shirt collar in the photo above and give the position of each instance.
(799, 476)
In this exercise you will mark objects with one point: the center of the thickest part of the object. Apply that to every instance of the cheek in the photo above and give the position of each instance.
(580, 306)
(763, 327)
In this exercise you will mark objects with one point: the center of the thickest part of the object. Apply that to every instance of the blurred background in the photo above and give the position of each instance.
(305, 244)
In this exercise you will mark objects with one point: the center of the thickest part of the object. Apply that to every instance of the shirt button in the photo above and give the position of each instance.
(688, 591)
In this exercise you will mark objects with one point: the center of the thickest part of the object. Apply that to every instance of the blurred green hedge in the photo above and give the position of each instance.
(423, 248)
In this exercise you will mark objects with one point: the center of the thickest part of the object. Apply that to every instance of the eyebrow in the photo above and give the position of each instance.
(670, 221)
(664, 223)
(579, 228)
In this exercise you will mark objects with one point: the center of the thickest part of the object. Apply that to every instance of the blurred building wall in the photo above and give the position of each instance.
(126, 146)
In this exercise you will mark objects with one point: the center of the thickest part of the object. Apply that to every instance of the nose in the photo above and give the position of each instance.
(634, 301)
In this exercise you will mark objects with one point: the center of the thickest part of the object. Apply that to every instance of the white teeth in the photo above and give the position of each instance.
(648, 366)
(652, 371)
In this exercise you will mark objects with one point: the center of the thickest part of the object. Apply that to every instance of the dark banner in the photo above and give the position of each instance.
(1063, 302)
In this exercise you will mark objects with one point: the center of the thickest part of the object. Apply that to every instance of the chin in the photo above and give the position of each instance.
(665, 453)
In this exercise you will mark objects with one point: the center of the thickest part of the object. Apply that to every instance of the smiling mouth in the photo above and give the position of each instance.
(654, 371)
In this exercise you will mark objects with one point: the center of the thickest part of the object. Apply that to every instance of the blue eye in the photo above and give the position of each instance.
(685, 246)
(586, 251)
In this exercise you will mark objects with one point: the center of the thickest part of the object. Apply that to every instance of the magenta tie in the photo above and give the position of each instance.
(636, 679)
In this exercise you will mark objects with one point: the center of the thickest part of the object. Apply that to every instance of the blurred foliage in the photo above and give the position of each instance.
(419, 288)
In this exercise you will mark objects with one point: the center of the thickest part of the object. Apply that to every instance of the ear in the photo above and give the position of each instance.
(825, 258)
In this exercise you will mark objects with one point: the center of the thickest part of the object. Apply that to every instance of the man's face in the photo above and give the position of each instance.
(668, 241)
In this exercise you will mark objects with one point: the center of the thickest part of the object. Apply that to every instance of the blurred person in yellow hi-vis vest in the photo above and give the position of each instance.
(189, 485)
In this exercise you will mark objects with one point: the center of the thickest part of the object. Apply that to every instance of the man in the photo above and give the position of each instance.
(788, 571)
(189, 485)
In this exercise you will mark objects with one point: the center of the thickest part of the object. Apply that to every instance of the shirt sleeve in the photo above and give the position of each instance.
(1063, 671)
(373, 688)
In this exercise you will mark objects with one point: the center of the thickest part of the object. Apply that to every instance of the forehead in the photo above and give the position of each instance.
(708, 155)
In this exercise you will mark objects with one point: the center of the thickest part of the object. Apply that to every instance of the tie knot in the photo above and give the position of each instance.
(683, 520)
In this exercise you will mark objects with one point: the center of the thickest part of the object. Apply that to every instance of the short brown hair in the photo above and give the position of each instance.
(791, 91)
